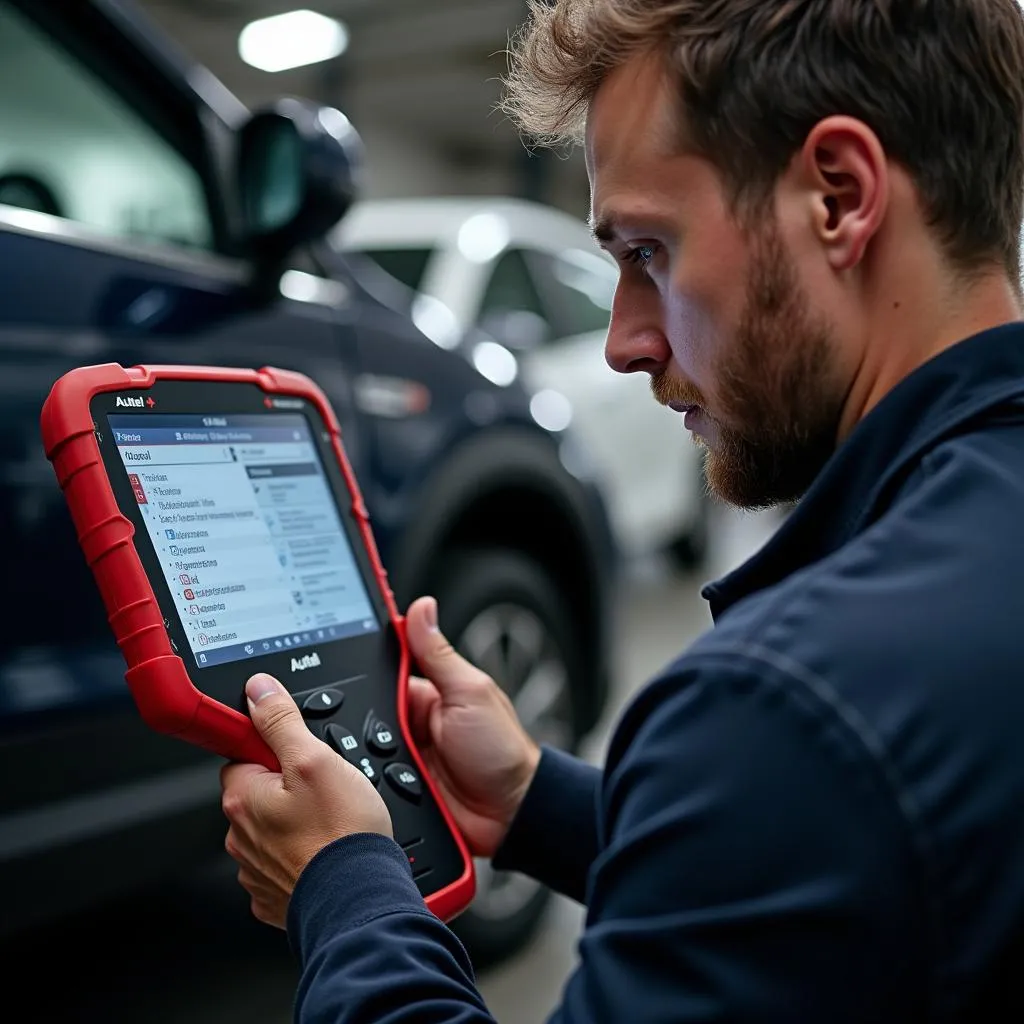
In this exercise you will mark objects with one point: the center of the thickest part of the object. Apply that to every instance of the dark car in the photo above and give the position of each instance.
(147, 216)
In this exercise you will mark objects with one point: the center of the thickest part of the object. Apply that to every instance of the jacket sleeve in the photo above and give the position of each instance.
(368, 947)
(553, 837)
(756, 868)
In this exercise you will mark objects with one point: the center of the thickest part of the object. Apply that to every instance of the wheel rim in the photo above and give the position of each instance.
(514, 647)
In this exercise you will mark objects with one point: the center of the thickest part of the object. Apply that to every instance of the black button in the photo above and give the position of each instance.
(321, 703)
(380, 737)
(366, 767)
(342, 740)
(405, 780)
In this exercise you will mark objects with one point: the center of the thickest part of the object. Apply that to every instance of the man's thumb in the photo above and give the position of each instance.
(437, 659)
(276, 716)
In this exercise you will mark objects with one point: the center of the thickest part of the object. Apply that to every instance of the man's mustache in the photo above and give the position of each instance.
(668, 389)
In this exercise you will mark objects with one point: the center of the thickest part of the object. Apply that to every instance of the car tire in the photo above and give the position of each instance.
(503, 612)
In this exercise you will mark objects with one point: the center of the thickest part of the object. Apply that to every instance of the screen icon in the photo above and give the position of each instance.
(277, 643)
(140, 494)
(202, 659)
(249, 649)
(266, 645)
(190, 595)
(171, 535)
(287, 641)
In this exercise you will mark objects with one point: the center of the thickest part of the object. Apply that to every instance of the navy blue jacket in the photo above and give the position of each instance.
(816, 814)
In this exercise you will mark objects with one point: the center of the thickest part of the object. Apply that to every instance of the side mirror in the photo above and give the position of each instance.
(299, 170)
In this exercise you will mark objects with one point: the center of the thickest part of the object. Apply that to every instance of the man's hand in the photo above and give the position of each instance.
(464, 725)
(280, 821)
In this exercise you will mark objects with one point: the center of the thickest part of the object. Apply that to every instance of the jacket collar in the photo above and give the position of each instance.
(935, 400)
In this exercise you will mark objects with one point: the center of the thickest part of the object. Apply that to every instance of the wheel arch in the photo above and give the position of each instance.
(509, 490)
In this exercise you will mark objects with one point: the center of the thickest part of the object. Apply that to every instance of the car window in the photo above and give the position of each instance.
(405, 265)
(511, 308)
(580, 286)
(511, 287)
(69, 146)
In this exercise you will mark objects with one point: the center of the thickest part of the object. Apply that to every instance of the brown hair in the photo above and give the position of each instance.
(940, 82)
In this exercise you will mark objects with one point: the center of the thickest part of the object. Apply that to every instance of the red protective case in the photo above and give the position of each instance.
(159, 682)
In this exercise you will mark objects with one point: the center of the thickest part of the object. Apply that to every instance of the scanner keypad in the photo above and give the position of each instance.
(367, 740)
(380, 737)
(342, 740)
(323, 702)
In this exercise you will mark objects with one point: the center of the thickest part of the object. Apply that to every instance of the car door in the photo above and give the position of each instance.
(114, 243)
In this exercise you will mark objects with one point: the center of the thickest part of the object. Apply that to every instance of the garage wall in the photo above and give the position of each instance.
(401, 165)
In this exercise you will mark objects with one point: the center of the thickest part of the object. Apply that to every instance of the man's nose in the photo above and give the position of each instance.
(632, 350)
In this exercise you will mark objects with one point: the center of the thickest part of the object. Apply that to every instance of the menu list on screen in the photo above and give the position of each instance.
(246, 530)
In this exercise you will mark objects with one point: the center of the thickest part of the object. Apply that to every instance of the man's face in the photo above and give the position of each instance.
(715, 310)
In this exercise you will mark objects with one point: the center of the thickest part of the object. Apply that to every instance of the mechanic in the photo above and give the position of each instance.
(817, 812)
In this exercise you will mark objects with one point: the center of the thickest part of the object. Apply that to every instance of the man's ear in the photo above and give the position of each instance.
(844, 167)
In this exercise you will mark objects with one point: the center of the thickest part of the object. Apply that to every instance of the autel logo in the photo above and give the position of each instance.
(309, 661)
(128, 402)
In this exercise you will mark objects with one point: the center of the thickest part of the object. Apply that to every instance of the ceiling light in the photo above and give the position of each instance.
(291, 40)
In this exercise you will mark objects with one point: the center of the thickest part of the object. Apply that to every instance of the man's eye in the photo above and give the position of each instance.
(641, 255)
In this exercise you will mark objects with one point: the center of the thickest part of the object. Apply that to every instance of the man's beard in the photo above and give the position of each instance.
(778, 409)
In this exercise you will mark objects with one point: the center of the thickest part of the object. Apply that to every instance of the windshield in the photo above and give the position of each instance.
(405, 265)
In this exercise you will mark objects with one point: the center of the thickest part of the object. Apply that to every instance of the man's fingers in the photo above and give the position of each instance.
(238, 785)
(235, 775)
(422, 696)
(277, 719)
(437, 659)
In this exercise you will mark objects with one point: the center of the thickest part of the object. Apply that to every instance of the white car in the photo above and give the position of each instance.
(524, 289)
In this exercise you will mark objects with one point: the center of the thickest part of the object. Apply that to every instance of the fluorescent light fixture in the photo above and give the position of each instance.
(291, 40)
